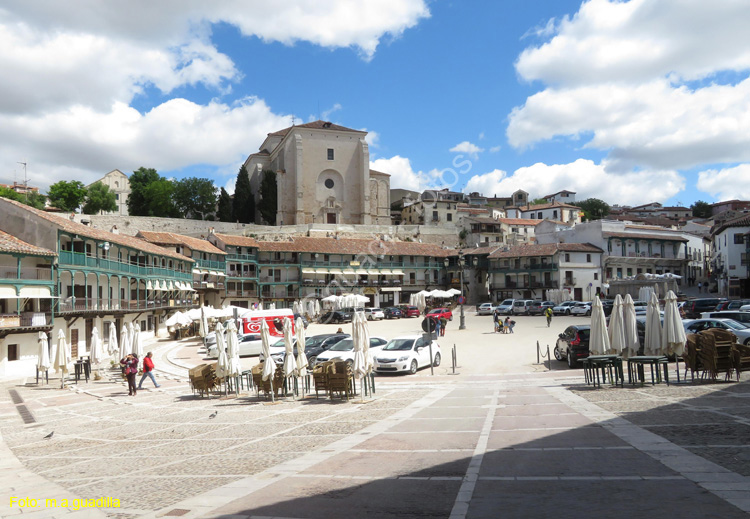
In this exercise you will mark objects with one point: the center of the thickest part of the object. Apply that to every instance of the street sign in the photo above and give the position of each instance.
(461, 300)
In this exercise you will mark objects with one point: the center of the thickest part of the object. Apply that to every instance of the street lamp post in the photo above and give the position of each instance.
(461, 266)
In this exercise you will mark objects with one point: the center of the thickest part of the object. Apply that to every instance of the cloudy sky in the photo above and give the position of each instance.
(627, 101)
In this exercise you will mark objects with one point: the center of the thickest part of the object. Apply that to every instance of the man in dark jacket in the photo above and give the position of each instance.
(148, 370)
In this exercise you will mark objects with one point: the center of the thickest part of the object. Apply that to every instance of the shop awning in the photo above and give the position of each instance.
(398, 272)
(196, 271)
(390, 289)
(309, 271)
(386, 272)
(349, 272)
(335, 271)
(7, 292)
(35, 292)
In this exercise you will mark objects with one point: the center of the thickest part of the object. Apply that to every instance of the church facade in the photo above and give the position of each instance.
(323, 175)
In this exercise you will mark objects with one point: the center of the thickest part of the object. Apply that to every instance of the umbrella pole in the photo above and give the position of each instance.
(271, 382)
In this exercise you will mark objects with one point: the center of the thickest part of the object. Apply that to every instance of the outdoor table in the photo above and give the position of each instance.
(45, 375)
(82, 369)
(606, 363)
(636, 371)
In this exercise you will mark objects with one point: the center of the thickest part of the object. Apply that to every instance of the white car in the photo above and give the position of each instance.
(374, 314)
(407, 353)
(739, 329)
(344, 350)
(506, 307)
(581, 309)
(250, 345)
(564, 308)
(485, 309)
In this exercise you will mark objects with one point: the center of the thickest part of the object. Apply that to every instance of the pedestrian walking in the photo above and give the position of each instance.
(700, 285)
(437, 326)
(130, 362)
(443, 325)
(548, 312)
(496, 320)
(148, 371)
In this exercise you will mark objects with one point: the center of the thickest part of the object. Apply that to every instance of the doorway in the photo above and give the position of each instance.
(331, 218)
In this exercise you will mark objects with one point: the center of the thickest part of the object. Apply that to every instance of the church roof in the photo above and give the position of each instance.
(379, 173)
(316, 125)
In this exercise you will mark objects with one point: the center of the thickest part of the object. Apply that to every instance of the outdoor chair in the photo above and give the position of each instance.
(320, 377)
(691, 357)
(716, 352)
(340, 380)
(741, 358)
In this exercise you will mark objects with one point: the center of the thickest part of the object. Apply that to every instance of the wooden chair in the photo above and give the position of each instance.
(320, 377)
(741, 358)
(692, 356)
(340, 380)
(716, 346)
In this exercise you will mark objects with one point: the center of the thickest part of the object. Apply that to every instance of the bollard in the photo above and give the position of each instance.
(537, 352)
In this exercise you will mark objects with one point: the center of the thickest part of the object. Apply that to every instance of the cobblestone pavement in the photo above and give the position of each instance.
(444, 446)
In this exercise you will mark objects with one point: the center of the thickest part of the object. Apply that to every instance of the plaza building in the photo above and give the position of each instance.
(323, 175)
(119, 184)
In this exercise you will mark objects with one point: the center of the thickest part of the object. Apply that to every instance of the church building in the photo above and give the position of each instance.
(323, 175)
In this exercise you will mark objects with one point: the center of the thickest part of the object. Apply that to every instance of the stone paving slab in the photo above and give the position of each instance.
(433, 440)
(552, 438)
(383, 464)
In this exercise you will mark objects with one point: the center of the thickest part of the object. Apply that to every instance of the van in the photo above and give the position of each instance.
(522, 306)
(251, 321)
(695, 307)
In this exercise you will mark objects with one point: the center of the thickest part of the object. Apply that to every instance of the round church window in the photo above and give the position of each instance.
(329, 183)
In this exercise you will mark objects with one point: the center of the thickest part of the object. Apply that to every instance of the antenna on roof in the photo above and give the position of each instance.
(292, 120)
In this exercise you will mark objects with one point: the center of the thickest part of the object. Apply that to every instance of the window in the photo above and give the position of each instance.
(450, 217)
(596, 276)
(434, 216)
(554, 214)
(330, 153)
(567, 257)
(588, 258)
(539, 216)
(12, 352)
(329, 182)
(738, 238)
(117, 196)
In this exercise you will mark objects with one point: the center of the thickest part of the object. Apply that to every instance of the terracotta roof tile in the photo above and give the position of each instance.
(170, 238)
(643, 236)
(543, 249)
(354, 246)
(237, 241)
(519, 221)
(9, 243)
(70, 226)
(316, 125)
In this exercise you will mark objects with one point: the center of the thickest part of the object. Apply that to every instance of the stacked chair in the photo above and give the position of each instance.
(715, 351)
(333, 378)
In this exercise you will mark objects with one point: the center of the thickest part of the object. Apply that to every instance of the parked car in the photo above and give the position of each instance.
(573, 344)
(392, 312)
(740, 330)
(407, 353)
(695, 307)
(250, 345)
(374, 314)
(440, 313)
(740, 316)
(506, 307)
(641, 307)
(485, 309)
(538, 307)
(344, 350)
(737, 304)
(314, 346)
(723, 305)
(305, 322)
(336, 316)
(521, 307)
(564, 308)
(607, 305)
(581, 309)
(410, 311)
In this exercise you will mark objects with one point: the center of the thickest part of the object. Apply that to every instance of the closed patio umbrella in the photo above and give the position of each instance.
(269, 366)
(673, 333)
(302, 363)
(616, 329)
(131, 337)
(632, 343)
(233, 350)
(62, 357)
(96, 353)
(652, 340)
(222, 363)
(112, 346)
(598, 340)
(124, 342)
(137, 341)
(43, 362)
(289, 361)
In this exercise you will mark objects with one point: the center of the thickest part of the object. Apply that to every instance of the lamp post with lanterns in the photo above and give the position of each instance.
(461, 266)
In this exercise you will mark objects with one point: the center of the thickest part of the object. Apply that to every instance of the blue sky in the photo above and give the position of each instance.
(631, 102)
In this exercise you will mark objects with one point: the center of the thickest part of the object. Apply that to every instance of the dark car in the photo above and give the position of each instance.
(723, 305)
(695, 307)
(305, 322)
(317, 344)
(573, 344)
(392, 312)
(410, 311)
(607, 305)
(538, 307)
(737, 304)
(336, 316)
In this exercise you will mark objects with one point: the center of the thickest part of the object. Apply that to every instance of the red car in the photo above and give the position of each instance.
(410, 311)
(441, 313)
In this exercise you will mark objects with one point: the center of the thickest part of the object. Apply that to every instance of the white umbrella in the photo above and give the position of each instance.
(317, 307)
(96, 353)
(616, 331)
(301, 356)
(203, 329)
(112, 347)
(124, 342)
(131, 338)
(673, 334)
(359, 366)
(269, 366)
(62, 357)
(652, 340)
(598, 340)
(632, 343)
(43, 363)
(137, 341)
(454, 292)
(289, 361)
(233, 350)
(422, 303)
(222, 363)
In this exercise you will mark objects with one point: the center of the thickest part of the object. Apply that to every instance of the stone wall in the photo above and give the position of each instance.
(130, 225)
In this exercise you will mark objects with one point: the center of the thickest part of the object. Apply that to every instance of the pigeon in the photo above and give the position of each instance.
(49, 435)
(213, 415)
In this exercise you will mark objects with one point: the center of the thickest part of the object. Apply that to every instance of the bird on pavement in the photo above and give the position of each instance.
(49, 435)
(213, 415)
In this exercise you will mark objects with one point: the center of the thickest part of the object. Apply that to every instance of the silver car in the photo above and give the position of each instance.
(739, 329)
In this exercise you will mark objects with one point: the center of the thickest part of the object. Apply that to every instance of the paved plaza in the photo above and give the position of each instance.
(504, 436)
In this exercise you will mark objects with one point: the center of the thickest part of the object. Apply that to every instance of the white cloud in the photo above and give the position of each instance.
(472, 150)
(403, 175)
(495, 149)
(726, 184)
(586, 178)
(372, 138)
(326, 114)
(611, 40)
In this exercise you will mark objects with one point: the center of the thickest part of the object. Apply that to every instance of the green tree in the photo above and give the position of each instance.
(701, 209)
(138, 203)
(224, 211)
(195, 198)
(158, 195)
(67, 195)
(33, 199)
(99, 198)
(539, 201)
(243, 206)
(593, 208)
(268, 197)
